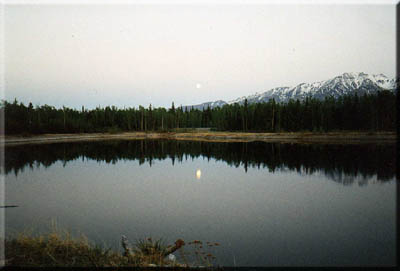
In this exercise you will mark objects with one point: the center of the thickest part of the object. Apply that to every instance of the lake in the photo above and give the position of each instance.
(267, 204)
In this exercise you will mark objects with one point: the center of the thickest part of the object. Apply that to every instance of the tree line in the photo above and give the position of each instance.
(369, 112)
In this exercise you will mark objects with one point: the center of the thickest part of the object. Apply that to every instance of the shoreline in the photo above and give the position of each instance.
(341, 137)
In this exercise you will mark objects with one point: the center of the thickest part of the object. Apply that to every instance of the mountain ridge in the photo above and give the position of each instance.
(344, 84)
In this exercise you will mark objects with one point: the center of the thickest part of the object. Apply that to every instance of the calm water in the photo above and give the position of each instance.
(266, 204)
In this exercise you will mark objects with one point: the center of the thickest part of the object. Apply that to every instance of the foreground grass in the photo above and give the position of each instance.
(57, 249)
(60, 249)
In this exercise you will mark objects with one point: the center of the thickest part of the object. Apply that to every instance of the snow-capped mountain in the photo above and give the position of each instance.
(202, 106)
(344, 84)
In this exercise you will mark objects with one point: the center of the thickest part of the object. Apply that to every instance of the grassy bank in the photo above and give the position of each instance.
(340, 137)
(60, 249)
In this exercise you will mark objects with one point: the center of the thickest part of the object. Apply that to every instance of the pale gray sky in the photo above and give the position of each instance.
(130, 55)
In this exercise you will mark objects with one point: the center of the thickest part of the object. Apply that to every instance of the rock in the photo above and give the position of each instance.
(171, 257)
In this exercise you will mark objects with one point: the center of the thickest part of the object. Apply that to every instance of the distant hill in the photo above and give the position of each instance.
(344, 84)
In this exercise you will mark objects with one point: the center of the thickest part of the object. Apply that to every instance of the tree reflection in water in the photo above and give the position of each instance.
(341, 163)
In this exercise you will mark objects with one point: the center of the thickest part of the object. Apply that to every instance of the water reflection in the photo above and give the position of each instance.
(288, 213)
(340, 163)
(198, 174)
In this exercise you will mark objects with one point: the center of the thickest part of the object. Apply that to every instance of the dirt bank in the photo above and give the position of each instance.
(300, 137)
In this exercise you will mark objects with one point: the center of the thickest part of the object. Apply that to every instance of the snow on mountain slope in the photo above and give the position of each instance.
(344, 84)
(203, 106)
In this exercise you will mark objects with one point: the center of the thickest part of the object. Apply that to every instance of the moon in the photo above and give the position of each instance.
(198, 85)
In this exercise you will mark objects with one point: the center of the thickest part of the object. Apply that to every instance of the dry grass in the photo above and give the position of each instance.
(353, 137)
(59, 249)
(201, 254)
(148, 252)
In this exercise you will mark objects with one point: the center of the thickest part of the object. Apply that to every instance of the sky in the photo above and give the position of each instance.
(134, 54)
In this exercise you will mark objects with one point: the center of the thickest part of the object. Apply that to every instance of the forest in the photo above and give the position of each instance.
(369, 112)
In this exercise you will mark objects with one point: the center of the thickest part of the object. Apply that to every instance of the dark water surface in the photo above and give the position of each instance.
(267, 204)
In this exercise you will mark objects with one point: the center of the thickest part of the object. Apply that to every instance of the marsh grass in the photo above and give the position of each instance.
(198, 254)
(151, 252)
(60, 249)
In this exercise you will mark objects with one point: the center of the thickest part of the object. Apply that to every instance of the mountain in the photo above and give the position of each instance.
(202, 106)
(344, 84)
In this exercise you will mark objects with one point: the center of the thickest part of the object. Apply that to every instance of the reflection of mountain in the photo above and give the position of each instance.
(339, 176)
(341, 163)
